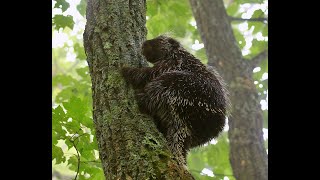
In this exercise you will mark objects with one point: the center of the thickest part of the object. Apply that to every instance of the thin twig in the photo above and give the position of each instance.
(264, 20)
(78, 155)
(71, 138)
(78, 159)
(91, 162)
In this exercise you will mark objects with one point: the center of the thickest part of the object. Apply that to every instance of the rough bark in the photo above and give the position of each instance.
(247, 153)
(130, 147)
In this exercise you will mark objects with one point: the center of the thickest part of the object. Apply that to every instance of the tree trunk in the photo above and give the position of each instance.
(248, 156)
(130, 146)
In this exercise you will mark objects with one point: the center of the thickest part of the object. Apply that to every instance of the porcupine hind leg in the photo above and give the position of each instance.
(163, 101)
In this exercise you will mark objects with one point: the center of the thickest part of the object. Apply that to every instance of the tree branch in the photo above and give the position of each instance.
(263, 20)
(94, 161)
(255, 61)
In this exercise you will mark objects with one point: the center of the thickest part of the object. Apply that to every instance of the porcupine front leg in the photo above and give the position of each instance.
(137, 77)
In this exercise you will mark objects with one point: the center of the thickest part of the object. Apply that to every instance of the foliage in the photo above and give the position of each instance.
(60, 21)
(162, 17)
(206, 157)
(72, 124)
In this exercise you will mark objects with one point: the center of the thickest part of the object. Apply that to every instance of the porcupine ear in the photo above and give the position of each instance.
(173, 43)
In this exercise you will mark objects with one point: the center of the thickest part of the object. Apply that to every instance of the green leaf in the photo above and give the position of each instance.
(258, 26)
(76, 109)
(258, 46)
(92, 169)
(55, 137)
(232, 9)
(65, 94)
(88, 122)
(239, 37)
(220, 153)
(57, 154)
(152, 8)
(258, 14)
(163, 18)
(60, 21)
(79, 50)
(81, 89)
(158, 29)
(73, 162)
(97, 175)
(88, 154)
(82, 7)
(58, 115)
(75, 106)
(58, 118)
(64, 80)
(62, 4)
(265, 31)
(58, 133)
(68, 141)
(83, 143)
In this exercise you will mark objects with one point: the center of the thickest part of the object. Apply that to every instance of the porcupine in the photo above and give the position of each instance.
(187, 100)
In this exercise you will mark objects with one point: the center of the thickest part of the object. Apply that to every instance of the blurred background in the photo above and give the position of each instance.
(71, 84)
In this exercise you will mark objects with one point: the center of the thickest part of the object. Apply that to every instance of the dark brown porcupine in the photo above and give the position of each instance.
(186, 99)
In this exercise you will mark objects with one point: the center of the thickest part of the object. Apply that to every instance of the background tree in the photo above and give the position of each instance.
(72, 97)
(247, 153)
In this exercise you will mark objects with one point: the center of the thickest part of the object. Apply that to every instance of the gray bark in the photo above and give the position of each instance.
(248, 156)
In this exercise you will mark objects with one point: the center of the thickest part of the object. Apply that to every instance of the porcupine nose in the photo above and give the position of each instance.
(145, 47)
